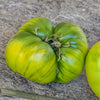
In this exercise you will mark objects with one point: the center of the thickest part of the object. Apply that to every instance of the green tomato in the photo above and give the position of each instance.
(93, 68)
(43, 54)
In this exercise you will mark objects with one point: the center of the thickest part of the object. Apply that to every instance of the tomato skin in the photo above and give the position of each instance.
(44, 27)
(92, 67)
(72, 57)
(28, 55)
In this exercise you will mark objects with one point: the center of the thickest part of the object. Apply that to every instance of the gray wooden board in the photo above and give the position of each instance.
(13, 13)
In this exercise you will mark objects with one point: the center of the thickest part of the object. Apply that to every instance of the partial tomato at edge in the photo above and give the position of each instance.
(92, 67)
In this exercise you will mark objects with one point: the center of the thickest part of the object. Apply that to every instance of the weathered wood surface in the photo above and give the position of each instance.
(13, 13)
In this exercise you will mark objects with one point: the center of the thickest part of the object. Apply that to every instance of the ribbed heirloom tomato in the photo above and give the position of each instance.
(43, 54)
(93, 68)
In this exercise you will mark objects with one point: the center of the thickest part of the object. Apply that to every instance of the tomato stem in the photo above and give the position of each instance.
(55, 43)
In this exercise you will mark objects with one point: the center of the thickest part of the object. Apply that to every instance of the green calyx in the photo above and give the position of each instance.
(54, 43)
(36, 29)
